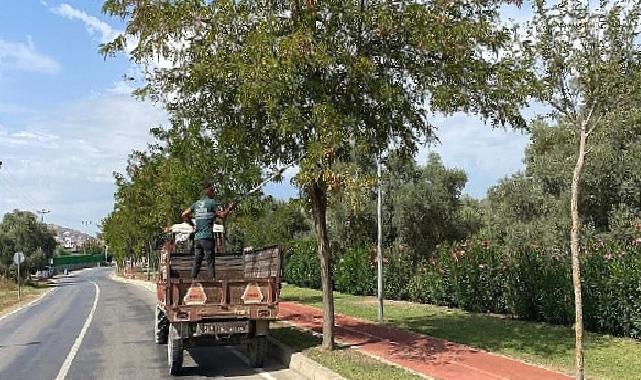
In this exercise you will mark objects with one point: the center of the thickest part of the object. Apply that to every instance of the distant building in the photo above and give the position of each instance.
(69, 238)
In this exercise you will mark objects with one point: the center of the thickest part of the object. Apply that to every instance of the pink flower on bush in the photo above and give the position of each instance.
(456, 255)
(608, 256)
(637, 242)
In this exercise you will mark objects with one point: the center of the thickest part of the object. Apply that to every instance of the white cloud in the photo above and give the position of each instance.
(487, 155)
(93, 24)
(31, 138)
(63, 158)
(25, 57)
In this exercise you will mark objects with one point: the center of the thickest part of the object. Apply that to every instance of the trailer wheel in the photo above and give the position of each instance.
(256, 351)
(174, 351)
(161, 327)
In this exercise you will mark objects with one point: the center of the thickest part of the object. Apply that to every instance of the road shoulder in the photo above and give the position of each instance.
(10, 308)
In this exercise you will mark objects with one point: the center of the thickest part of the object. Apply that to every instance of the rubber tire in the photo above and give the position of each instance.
(161, 327)
(174, 351)
(256, 349)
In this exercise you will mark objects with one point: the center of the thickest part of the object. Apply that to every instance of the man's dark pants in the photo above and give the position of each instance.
(203, 247)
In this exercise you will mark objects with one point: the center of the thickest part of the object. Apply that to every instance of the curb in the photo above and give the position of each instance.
(351, 347)
(290, 358)
(299, 363)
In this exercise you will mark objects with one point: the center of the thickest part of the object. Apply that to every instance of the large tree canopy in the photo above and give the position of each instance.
(281, 80)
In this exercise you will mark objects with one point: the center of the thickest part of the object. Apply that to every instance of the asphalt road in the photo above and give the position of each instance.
(38, 342)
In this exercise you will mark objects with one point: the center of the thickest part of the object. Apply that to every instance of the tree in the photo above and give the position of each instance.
(302, 83)
(265, 221)
(426, 208)
(528, 208)
(611, 178)
(587, 64)
(518, 213)
(164, 179)
(22, 231)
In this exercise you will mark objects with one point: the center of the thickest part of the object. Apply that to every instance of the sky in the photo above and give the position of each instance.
(68, 120)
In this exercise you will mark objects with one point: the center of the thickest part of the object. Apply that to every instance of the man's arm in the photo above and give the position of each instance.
(223, 213)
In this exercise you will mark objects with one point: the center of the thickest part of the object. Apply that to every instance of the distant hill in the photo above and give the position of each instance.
(69, 234)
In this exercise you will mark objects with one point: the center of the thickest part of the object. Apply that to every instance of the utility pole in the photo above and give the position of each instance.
(18, 279)
(379, 246)
(84, 243)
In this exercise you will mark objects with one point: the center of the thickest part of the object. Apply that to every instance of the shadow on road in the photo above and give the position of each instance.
(220, 361)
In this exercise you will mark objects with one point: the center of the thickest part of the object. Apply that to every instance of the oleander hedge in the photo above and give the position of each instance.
(532, 283)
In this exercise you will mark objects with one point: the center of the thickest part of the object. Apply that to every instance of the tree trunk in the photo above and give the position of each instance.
(319, 211)
(574, 248)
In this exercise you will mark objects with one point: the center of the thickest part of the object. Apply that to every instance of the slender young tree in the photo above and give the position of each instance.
(305, 82)
(587, 62)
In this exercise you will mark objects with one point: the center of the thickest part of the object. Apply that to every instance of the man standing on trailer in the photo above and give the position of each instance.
(205, 210)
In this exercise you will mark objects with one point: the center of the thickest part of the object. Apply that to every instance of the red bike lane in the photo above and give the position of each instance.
(432, 357)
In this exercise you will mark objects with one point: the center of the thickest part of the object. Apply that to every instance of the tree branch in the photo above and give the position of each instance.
(587, 120)
(566, 104)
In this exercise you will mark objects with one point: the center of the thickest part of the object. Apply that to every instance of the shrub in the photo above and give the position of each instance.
(301, 264)
(612, 289)
(397, 273)
(479, 279)
(355, 272)
(428, 286)
(535, 284)
(530, 283)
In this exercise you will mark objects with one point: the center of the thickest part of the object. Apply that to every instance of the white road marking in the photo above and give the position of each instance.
(31, 303)
(259, 371)
(62, 374)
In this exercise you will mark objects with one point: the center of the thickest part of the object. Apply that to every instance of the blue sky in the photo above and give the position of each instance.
(67, 119)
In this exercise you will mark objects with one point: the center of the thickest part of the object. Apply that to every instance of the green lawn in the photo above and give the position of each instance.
(349, 363)
(9, 294)
(549, 346)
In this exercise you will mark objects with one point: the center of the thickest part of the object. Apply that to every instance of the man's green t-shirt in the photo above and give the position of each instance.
(204, 211)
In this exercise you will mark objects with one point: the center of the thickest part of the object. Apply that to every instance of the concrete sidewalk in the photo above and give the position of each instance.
(428, 356)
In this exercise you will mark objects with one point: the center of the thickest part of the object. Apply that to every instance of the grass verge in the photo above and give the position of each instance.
(9, 294)
(349, 363)
(549, 346)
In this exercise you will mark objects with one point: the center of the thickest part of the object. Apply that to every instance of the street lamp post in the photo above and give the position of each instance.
(18, 279)
(379, 245)
(85, 224)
